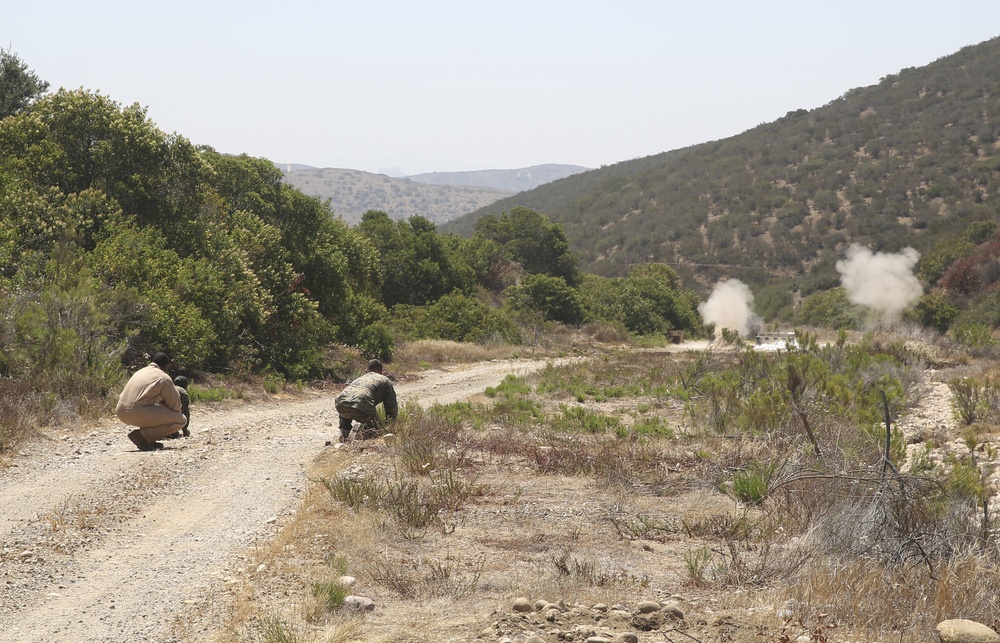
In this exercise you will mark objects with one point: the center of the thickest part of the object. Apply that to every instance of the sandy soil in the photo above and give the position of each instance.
(101, 542)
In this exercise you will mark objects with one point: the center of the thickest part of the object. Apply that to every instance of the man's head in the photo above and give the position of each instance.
(181, 381)
(161, 359)
(374, 366)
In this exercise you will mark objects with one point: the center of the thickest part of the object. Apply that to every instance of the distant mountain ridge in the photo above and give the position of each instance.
(351, 193)
(436, 196)
(507, 180)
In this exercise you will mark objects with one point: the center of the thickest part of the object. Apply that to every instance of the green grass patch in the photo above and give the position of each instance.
(578, 419)
(650, 426)
(211, 394)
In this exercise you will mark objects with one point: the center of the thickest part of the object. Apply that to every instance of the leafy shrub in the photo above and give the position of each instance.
(829, 309)
(455, 317)
(973, 336)
(933, 310)
(551, 297)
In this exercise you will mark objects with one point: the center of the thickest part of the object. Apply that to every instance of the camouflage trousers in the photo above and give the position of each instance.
(370, 424)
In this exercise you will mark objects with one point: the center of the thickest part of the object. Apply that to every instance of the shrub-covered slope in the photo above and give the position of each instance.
(907, 162)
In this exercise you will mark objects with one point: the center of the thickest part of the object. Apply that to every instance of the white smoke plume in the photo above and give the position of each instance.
(730, 306)
(884, 283)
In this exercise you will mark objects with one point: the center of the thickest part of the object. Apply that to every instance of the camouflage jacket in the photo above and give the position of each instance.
(367, 392)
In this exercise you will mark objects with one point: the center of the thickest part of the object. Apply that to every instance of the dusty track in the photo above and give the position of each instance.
(99, 542)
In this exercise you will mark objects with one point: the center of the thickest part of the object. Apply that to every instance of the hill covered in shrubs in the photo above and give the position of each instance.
(912, 162)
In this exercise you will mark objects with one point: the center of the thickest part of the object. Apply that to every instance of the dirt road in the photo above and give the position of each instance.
(100, 542)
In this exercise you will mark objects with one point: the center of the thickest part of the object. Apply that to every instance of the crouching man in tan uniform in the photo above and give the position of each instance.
(359, 399)
(151, 402)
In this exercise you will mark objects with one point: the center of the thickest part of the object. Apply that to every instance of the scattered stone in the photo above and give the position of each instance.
(347, 581)
(673, 610)
(359, 603)
(541, 604)
(534, 639)
(522, 605)
(599, 639)
(960, 630)
(601, 607)
(647, 622)
(645, 607)
(628, 637)
(261, 568)
(552, 614)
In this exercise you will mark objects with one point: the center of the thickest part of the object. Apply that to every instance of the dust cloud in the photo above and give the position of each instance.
(881, 282)
(730, 306)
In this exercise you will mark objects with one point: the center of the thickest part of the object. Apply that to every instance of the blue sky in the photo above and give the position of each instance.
(462, 85)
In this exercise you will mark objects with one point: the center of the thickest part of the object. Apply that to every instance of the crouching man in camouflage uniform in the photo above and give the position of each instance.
(358, 400)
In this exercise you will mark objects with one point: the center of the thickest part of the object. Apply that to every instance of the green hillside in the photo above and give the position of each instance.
(911, 161)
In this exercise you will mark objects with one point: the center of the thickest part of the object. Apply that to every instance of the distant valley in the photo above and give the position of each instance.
(437, 196)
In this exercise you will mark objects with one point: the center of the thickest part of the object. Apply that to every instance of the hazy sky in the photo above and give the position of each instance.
(463, 85)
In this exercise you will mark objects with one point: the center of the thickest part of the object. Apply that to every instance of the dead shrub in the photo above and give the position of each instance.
(889, 601)
(429, 441)
(591, 574)
(610, 460)
(22, 409)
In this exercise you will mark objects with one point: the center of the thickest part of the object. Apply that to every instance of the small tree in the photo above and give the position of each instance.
(19, 86)
(552, 297)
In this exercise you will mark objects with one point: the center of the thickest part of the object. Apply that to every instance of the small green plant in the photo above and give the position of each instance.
(330, 594)
(966, 398)
(650, 426)
(355, 492)
(512, 385)
(731, 337)
(272, 629)
(922, 461)
(696, 563)
(273, 383)
(751, 485)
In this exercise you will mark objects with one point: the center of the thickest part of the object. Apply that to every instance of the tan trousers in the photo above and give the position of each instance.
(154, 421)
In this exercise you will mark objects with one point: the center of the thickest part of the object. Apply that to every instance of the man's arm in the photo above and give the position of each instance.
(171, 398)
(389, 403)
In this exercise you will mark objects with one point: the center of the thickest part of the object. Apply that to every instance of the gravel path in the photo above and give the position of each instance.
(100, 542)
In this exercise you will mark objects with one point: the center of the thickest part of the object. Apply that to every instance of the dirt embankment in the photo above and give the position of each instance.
(100, 542)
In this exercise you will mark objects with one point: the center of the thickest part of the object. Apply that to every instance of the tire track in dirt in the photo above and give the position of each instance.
(102, 543)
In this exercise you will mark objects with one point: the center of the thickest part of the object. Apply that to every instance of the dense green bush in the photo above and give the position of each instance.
(210, 257)
(648, 301)
(456, 317)
(551, 297)
(934, 311)
(829, 309)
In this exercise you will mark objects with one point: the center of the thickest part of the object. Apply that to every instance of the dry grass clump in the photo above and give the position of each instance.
(889, 603)
(20, 411)
(424, 353)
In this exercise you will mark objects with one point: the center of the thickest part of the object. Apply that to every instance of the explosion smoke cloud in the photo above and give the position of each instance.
(882, 282)
(729, 306)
